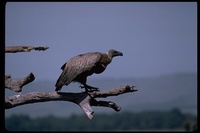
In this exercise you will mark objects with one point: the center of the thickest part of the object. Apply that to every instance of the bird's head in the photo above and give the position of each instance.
(112, 53)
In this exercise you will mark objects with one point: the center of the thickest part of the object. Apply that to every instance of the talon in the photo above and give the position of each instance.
(89, 88)
(93, 89)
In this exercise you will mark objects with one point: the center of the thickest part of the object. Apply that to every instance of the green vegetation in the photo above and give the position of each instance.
(148, 120)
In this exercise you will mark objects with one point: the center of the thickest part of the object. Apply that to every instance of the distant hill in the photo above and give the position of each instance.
(154, 93)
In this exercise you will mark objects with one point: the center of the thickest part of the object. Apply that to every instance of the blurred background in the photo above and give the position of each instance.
(159, 43)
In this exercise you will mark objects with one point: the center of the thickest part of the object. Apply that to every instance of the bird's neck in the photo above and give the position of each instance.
(109, 56)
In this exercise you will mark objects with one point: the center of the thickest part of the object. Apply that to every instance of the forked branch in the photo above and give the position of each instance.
(83, 99)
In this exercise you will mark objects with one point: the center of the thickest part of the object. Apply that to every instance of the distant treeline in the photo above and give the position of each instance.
(129, 121)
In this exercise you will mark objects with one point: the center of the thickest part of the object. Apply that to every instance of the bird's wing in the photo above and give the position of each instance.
(76, 66)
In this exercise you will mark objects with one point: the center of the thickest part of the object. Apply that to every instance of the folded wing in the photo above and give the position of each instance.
(75, 66)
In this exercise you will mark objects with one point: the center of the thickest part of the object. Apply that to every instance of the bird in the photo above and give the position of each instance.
(79, 67)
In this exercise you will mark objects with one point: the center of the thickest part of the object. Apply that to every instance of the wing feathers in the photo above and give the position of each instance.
(76, 66)
(61, 80)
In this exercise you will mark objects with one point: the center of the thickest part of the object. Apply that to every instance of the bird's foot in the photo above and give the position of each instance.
(89, 88)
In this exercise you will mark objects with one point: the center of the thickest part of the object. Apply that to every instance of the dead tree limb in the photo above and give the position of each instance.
(83, 99)
(16, 85)
(14, 49)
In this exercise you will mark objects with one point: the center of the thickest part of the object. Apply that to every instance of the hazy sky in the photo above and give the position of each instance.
(155, 38)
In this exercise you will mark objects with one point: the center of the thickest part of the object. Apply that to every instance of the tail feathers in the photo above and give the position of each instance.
(65, 78)
(58, 85)
(58, 88)
(60, 82)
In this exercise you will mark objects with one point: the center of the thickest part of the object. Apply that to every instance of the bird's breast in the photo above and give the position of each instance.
(99, 68)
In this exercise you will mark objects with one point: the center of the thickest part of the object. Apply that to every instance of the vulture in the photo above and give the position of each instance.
(79, 67)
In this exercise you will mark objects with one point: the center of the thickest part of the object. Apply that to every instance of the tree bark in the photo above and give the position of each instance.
(84, 100)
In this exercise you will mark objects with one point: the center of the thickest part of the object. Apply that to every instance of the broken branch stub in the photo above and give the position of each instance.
(16, 85)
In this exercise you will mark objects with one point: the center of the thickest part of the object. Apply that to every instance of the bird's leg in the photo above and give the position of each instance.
(89, 88)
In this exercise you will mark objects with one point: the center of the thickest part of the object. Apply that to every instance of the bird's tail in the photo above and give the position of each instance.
(61, 81)
(58, 88)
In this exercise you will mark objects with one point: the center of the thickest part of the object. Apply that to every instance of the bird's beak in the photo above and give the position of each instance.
(120, 53)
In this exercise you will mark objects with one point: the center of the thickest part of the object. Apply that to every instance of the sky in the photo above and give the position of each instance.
(155, 38)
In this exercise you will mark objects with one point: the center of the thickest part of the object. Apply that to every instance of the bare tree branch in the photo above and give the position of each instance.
(16, 85)
(114, 91)
(84, 100)
(14, 49)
